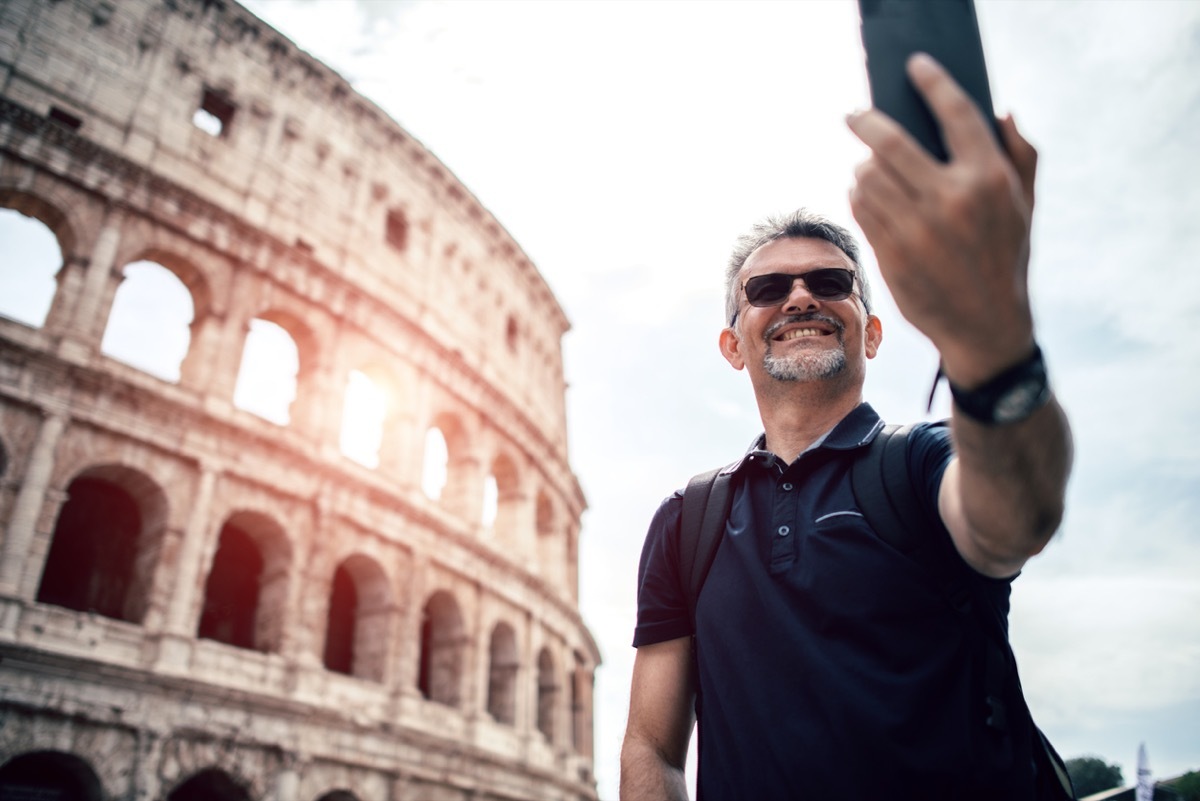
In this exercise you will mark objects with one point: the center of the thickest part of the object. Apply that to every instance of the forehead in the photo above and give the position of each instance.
(794, 255)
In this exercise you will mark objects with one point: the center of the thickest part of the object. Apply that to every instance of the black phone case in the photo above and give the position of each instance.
(892, 30)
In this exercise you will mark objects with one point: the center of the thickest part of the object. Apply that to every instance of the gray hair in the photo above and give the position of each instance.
(800, 224)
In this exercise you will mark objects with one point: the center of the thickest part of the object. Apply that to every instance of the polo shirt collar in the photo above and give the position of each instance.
(855, 430)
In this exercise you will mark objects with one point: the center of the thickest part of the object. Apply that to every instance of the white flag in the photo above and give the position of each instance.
(1145, 785)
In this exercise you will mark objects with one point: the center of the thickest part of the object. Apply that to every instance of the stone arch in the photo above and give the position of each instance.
(209, 784)
(245, 593)
(49, 774)
(338, 795)
(150, 320)
(507, 486)
(50, 213)
(278, 359)
(106, 543)
(503, 665)
(358, 623)
(443, 642)
(194, 278)
(30, 261)
(457, 461)
(547, 693)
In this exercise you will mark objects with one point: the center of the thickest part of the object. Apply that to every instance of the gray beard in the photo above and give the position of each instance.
(805, 366)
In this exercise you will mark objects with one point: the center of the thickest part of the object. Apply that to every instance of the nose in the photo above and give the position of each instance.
(799, 299)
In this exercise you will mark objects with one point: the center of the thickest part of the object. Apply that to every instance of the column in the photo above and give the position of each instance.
(28, 506)
(85, 328)
(184, 580)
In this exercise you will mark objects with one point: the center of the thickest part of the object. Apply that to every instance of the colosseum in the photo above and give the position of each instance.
(285, 497)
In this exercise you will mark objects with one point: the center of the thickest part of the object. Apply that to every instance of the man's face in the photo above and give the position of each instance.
(802, 338)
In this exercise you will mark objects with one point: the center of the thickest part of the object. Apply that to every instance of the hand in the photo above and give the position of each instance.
(952, 240)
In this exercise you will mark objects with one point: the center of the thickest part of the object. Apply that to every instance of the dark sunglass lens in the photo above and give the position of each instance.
(767, 290)
(830, 284)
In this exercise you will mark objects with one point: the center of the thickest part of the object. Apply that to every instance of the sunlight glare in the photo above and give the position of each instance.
(362, 419)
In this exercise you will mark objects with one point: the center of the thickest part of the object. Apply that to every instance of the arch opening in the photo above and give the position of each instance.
(105, 545)
(30, 258)
(149, 325)
(547, 694)
(268, 375)
(436, 470)
(210, 784)
(502, 674)
(50, 775)
(443, 639)
(245, 595)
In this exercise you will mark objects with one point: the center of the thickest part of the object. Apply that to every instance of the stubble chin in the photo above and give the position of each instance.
(805, 366)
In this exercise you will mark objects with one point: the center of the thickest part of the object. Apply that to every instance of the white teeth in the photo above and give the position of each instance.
(796, 333)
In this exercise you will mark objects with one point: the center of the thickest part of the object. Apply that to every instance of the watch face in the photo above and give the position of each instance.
(1019, 401)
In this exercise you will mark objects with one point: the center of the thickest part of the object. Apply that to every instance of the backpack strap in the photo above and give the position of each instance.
(885, 495)
(706, 503)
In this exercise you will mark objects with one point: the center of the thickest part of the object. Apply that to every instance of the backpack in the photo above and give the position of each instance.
(882, 487)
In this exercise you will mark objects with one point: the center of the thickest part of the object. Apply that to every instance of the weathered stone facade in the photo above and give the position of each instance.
(196, 602)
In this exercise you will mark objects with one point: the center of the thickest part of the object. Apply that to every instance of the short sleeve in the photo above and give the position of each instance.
(930, 449)
(662, 605)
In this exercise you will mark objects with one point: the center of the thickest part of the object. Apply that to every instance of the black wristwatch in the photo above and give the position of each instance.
(1010, 397)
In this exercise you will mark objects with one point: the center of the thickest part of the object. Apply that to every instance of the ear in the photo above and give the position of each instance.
(731, 348)
(873, 335)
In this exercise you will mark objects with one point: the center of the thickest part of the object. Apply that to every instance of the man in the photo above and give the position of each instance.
(825, 664)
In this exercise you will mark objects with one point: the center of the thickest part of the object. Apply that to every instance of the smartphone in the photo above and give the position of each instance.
(892, 30)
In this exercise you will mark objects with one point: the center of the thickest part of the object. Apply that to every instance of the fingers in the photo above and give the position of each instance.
(1023, 155)
(877, 187)
(964, 128)
(890, 143)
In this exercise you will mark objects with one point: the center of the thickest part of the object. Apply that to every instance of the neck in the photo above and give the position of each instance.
(796, 413)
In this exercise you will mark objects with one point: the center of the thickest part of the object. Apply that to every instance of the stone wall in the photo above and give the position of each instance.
(194, 599)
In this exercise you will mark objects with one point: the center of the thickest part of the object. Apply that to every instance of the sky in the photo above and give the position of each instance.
(625, 145)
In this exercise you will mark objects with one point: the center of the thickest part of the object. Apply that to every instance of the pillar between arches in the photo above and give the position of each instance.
(84, 328)
(15, 561)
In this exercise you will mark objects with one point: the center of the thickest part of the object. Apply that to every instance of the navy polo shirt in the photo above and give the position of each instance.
(830, 666)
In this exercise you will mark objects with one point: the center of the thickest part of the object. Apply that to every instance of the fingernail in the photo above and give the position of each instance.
(922, 61)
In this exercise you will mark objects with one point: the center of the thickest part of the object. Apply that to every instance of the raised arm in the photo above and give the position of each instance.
(661, 716)
(952, 241)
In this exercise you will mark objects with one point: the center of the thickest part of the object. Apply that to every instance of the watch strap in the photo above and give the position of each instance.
(1012, 396)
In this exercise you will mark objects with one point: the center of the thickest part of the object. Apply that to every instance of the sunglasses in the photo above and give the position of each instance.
(827, 283)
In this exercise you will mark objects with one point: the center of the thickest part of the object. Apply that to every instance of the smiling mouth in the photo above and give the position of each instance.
(800, 333)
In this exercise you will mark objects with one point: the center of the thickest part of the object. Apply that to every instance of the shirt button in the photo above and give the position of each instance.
(784, 531)
(787, 487)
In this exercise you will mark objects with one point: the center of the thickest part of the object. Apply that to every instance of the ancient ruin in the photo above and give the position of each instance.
(285, 502)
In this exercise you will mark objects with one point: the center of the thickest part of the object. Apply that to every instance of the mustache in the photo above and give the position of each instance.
(810, 317)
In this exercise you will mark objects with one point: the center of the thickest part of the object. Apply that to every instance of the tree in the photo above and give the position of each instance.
(1092, 774)
(1188, 786)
